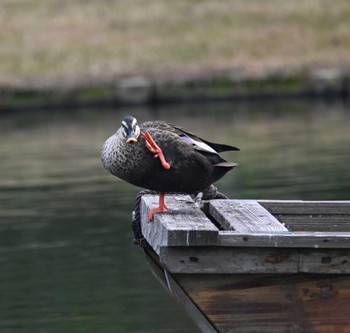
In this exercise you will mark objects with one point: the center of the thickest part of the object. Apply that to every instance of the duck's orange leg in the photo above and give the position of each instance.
(161, 209)
(155, 149)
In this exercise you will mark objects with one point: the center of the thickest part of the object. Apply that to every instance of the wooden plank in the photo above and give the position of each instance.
(314, 222)
(244, 216)
(325, 261)
(220, 260)
(183, 225)
(175, 290)
(246, 303)
(311, 215)
(306, 207)
(288, 240)
(217, 260)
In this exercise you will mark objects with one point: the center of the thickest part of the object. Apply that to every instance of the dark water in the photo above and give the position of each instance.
(66, 259)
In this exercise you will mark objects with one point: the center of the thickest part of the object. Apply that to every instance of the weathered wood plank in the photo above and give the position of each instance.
(291, 239)
(325, 261)
(221, 260)
(183, 225)
(244, 216)
(311, 215)
(246, 303)
(306, 207)
(228, 260)
(314, 222)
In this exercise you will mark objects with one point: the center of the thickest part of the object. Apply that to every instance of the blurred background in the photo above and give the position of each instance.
(269, 77)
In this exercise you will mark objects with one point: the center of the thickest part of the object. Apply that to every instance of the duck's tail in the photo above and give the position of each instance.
(226, 164)
(220, 169)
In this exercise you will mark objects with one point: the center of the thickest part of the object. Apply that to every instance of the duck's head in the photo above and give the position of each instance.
(130, 131)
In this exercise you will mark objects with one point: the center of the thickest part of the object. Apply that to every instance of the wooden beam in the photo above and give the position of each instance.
(299, 207)
(220, 260)
(290, 239)
(183, 225)
(325, 261)
(244, 216)
(311, 215)
(217, 260)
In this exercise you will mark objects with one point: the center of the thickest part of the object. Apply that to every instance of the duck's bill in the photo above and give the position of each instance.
(131, 140)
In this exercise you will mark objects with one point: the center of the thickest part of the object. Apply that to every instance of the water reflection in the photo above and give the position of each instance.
(67, 263)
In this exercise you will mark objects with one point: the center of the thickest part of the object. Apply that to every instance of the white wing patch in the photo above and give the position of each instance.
(199, 145)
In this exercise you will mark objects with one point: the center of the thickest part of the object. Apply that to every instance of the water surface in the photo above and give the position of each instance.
(66, 258)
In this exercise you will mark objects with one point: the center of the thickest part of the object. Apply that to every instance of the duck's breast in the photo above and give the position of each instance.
(120, 158)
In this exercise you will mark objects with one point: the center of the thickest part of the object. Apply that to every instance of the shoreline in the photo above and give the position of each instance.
(143, 89)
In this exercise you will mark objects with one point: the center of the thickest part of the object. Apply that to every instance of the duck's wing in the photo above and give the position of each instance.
(191, 138)
(216, 147)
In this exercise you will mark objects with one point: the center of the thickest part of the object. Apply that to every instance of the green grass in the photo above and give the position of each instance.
(75, 43)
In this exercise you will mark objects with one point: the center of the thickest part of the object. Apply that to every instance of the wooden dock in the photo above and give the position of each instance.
(254, 266)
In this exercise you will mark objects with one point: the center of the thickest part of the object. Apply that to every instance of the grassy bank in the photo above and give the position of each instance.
(69, 44)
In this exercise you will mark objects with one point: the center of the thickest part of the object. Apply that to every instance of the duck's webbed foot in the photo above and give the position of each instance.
(162, 208)
(155, 149)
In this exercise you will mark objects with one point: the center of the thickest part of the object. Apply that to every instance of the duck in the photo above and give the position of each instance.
(163, 157)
